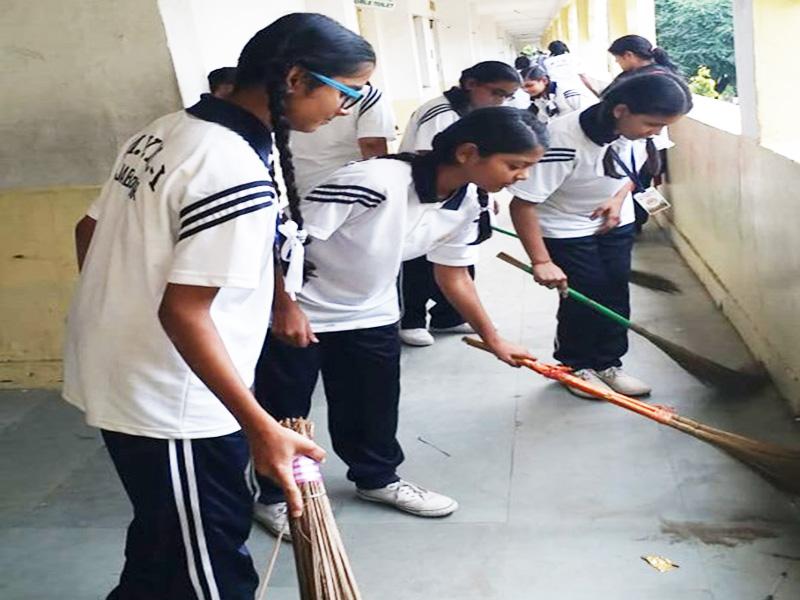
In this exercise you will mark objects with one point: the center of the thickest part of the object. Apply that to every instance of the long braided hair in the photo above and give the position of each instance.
(308, 40)
(495, 130)
(661, 93)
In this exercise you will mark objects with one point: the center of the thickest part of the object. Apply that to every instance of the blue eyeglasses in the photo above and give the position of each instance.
(350, 96)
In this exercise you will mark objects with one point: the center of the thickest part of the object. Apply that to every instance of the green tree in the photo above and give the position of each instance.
(698, 33)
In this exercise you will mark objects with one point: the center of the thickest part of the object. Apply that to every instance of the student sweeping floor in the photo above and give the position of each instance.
(575, 219)
(364, 222)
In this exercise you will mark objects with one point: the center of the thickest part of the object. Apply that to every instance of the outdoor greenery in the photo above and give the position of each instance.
(698, 34)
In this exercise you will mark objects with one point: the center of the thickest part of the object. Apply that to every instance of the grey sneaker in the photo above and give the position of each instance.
(408, 497)
(621, 382)
(416, 337)
(274, 518)
(589, 376)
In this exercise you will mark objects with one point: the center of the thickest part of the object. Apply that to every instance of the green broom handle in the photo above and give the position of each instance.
(574, 294)
(505, 231)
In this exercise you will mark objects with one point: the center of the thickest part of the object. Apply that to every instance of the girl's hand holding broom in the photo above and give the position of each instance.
(526, 222)
(185, 315)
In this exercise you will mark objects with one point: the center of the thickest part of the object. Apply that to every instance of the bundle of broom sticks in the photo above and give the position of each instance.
(778, 464)
(323, 570)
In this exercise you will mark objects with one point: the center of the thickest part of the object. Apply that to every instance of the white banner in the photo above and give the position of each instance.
(387, 4)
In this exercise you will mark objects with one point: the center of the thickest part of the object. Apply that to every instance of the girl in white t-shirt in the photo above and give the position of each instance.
(171, 309)
(575, 218)
(364, 221)
(488, 83)
(563, 69)
(547, 99)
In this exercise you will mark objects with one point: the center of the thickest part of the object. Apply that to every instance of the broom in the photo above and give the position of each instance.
(706, 370)
(778, 464)
(323, 570)
(645, 279)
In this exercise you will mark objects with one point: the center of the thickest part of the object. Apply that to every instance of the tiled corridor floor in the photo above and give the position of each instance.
(559, 497)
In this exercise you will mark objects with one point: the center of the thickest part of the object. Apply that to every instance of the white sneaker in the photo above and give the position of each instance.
(463, 328)
(623, 383)
(589, 376)
(274, 518)
(411, 498)
(416, 337)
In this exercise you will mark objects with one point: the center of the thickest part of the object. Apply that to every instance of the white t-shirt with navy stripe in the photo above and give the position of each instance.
(318, 154)
(429, 119)
(568, 183)
(364, 221)
(189, 202)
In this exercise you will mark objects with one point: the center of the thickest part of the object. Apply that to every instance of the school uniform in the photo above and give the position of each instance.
(190, 202)
(551, 104)
(567, 185)
(364, 221)
(565, 72)
(417, 281)
(318, 154)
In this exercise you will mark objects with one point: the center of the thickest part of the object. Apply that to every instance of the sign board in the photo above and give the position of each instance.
(387, 4)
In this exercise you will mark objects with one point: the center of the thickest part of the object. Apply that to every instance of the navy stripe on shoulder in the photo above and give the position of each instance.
(376, 196)
(555, 159)
(312, 197)
(344, 195)
(371, 101)
(220, 207)
(232, 190)
(556, 149)
(224, 219)
(431, 114)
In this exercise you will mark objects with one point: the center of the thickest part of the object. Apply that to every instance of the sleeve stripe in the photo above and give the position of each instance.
(555, 149)
(312, 198)
(237, 188)
(331, 187)
(322, 195)
(224, 219)
(435, 108)
(221, 207)
(432, 115)
(555, 159)
(367, 102)
(370, 102)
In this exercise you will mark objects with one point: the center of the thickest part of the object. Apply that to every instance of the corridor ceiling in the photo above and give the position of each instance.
(524, 20)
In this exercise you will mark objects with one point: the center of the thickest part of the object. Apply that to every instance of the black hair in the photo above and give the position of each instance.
(557, 47)
(642, 48)
(659, 93)
(537, 72)
(522, 62)
(308, 40)
(493, 130)
(221, 76)
(487, 71)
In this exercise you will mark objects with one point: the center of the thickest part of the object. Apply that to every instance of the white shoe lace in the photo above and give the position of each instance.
(409, 490)
(612, 372)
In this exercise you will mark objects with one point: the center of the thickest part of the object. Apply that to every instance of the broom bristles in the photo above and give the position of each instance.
(778, 464)
(706, 370)
(323, 570)
(653, 281)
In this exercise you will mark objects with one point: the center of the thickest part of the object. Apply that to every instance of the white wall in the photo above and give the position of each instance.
(207, 34)
(77, 81)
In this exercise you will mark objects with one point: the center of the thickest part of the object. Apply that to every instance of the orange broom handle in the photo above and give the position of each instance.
(562, 374)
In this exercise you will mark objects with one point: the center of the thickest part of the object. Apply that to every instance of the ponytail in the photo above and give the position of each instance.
(662, 58)
(641, 47)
